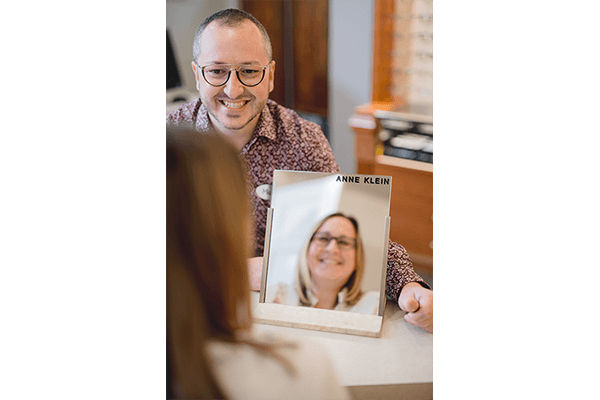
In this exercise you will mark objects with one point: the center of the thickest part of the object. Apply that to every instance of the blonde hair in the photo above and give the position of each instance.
(354, 284)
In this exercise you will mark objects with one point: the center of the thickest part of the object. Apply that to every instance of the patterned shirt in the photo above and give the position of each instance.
(282, 140)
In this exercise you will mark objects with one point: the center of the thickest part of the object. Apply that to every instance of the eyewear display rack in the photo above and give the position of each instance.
(394, 133)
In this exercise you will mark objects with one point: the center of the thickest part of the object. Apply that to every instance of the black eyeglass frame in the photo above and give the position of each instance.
(337, 241)
(237, 72)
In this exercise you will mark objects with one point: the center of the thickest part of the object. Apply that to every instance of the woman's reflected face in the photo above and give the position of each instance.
(334, 259)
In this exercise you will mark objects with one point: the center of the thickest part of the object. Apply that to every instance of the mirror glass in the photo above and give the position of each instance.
(317, 258)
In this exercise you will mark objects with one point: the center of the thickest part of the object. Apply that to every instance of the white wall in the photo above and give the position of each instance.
(350, 72)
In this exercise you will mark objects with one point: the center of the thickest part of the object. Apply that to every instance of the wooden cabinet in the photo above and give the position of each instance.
(411, 207)
(299, 32)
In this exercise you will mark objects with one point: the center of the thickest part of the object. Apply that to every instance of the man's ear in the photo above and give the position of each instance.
(196, 74)
(272, 77)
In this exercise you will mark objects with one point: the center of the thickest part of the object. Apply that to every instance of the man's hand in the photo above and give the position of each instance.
(418, 304)
(255, 266)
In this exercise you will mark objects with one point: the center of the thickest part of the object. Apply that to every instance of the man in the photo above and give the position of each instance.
(235, 73)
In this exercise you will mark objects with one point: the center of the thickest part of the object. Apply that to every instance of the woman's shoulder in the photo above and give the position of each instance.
(282, 293)
(295, 369)
(368, 303)
(370, 295)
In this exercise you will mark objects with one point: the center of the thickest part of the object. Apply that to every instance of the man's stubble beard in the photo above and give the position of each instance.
(215, 116)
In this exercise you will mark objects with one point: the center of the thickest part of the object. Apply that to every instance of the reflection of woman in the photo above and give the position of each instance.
(331, 267)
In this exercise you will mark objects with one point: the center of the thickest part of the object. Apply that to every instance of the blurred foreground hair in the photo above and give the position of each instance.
(208, 237)
(207, 246)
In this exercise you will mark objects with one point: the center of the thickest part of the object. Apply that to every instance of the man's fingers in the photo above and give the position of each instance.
(418, 303)
(419, 316)
(409, 305)
(421, 320)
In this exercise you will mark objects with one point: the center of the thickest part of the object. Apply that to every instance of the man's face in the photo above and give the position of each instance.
(233, 106)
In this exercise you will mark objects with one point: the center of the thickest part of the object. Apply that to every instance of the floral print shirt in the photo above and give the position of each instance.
(282, 140)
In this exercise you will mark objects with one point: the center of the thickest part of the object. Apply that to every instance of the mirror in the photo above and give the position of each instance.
(326, 252)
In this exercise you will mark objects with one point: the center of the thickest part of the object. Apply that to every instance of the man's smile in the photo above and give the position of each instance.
(234, 104)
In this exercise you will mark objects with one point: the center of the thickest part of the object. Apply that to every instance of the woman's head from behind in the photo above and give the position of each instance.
(207, 243)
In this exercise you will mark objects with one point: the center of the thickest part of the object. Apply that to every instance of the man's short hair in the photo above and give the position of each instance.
(232, 18)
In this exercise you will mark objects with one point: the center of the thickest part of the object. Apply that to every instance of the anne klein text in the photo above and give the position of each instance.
(366, 179)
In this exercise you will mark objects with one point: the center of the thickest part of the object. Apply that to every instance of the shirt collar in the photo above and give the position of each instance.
(265, 126)
(202, 121)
